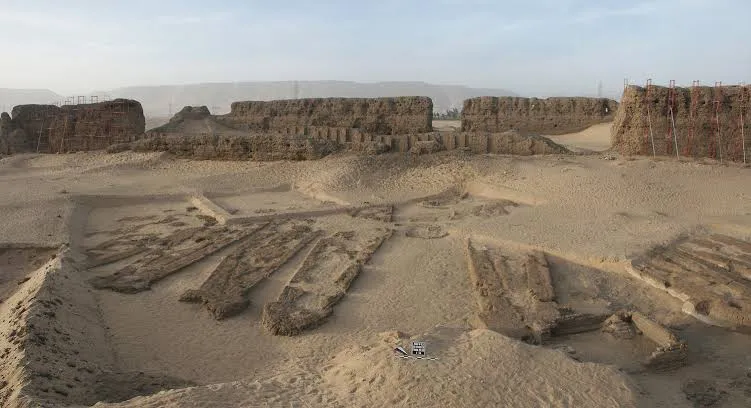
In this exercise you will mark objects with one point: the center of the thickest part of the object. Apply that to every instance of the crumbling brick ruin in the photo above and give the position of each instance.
(70, 128)
(385, 116)
(703, 128)
(258, 146)
(312, 128)
(304, 143)
(188, 113)
(305, 129)
(475, 142)
(549, 116)
(12, 139)
(671, 352)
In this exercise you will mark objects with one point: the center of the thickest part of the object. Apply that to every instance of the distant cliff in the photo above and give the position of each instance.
(12, 97)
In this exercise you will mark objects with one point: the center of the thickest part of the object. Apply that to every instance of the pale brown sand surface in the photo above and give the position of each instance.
(587, 213)
(592, 139)
(447, 125)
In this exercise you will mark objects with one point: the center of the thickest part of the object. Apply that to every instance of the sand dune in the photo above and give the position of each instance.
(593, 139)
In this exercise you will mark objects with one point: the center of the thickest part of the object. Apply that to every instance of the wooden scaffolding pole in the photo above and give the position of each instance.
(717, 106)
(648, 99)
(671, 112)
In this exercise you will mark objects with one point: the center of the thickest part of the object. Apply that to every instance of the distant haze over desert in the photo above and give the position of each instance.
(158, 100)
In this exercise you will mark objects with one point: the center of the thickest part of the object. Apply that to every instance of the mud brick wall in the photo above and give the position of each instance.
(387, 116)
(12, 138)
(262, 146)
(476, 142)
(484, 142)
(72, 128)
(309, 143)
(549, 116)
(694, 114)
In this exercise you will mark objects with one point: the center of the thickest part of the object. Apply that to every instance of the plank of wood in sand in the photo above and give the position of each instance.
(687, 274)
(495, 310)
(662, 276)
(724, 250)
(117, 256)
(712, 259)
(718, 264)
(717, 247)
(383, 213)
(570, 322)
(695, 289)
(538, 277)
(180, 249)
(135, 244)
(210, 208)
(653, 330)
(742, 269)
(705, 243)
(738, 244)
(658, 277)
(501, 269)
(321, 281)
(738, 264)
(258, 256)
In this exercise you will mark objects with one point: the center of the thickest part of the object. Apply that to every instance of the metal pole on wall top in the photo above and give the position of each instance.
(692, 118)
(649, 117)
(717, 102)
(744, 102)
(672, 117)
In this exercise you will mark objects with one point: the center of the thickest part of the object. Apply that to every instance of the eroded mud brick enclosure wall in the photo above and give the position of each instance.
(386, 116)
(703, 128)
(310, 143)
(306, 129)
(257, 146)
(549, 116)
(69, 128)
(12, 139)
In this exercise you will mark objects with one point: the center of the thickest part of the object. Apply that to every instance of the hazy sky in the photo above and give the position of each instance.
(532, 47)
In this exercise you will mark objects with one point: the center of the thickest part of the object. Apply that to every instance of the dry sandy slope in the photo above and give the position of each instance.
(593, 139)
(447, 125)
(476, 368)
(589, 212)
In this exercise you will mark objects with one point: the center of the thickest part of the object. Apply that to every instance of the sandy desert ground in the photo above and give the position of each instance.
(593, 139)
(288, 284)
(447, 125)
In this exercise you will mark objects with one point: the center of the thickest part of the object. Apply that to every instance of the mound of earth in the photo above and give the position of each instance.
(233, 145)
(477, 368)
(194, 120)
(55, 347)
(186, 114)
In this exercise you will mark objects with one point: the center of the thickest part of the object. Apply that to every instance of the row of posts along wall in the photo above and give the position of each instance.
(709, 121)
(386, 116)
(550, 116)
(70, 128)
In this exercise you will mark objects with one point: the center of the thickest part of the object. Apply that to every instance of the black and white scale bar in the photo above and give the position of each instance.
(415, 357)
